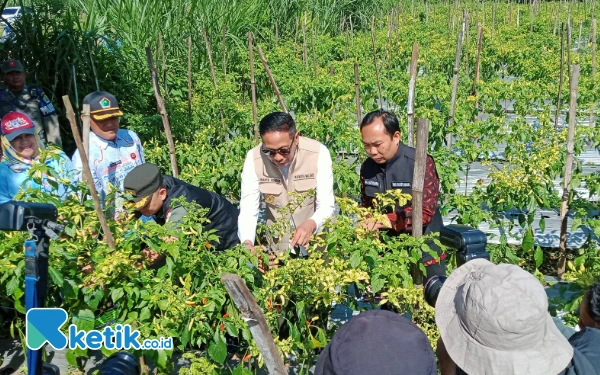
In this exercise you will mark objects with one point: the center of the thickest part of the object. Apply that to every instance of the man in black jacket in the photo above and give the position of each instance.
(391, 165)
(152, 193)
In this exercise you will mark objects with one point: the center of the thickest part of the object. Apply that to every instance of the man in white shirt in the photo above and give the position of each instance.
(285, 162)
(113, 152)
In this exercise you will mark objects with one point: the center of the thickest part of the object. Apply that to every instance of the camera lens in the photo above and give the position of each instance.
(432, 289)
(121, 363)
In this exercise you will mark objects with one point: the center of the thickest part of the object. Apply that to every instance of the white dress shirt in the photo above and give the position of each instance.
(250, 195)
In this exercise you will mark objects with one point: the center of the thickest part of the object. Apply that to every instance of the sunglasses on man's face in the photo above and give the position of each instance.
(283, 151)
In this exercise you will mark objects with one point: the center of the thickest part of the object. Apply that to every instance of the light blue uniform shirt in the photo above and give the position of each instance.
(110, 161)
(11, 181)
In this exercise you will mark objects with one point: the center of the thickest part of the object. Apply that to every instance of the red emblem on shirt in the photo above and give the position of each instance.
(133, 155)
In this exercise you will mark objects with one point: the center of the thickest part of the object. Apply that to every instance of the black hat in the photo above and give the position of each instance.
(141, 182)
(12, 66)
(103, 105)
(378, 342)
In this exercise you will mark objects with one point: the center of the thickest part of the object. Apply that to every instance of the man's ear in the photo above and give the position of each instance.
(162, 193)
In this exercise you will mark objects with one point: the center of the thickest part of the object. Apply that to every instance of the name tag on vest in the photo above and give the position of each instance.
(303, 176)
(265, 180)
(400, 184)
(372, 183)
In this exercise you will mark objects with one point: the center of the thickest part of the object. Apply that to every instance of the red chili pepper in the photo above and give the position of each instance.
(207, 245)
(308, 322)
(225, 315)
(278, 308)
(222, 327)
(204, 301)
(246, 357)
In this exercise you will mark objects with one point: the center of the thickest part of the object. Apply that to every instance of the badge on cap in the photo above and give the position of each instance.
(104, 102)
(269, 198)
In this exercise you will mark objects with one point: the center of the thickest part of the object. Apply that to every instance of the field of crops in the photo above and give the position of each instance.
(527, 56)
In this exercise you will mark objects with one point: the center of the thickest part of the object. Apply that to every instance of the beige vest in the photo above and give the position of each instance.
(302, 177)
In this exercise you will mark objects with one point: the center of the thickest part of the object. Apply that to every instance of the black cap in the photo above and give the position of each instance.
(142, 181)
(103, 105)
(12, 66)
(378, 342)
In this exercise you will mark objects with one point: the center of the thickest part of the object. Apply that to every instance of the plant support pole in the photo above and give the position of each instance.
(87, 173)
(417, 189)
(561, 76)
(412, 84)
(564, 206)
(375, 62)
(189, 75)
(454, 88)
(270, 75)
(163, 112)
(86, 129)
(253, 315)
(357, 94)
(253, 85)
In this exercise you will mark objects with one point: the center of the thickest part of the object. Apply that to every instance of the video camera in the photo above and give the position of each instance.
(24, 217)
(469, 244)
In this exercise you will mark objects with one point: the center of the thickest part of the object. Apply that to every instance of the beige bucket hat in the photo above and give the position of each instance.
(494, 320)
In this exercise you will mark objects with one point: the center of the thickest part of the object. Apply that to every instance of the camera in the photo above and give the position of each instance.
(20, 216)
(469, 244)
(120, 363)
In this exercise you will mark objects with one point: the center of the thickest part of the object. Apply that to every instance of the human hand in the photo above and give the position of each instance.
(303, 233)
(151, 256)
(258, 255)
(87, 269)
(170, 239)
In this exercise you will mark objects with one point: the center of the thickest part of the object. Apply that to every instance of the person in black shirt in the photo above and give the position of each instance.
(152, 195)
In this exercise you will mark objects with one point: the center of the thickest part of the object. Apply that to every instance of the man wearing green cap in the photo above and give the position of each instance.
(30, 100)
(152, 195)
(113, 152)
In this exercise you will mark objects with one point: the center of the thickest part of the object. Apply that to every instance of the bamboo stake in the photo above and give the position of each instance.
(417, 189)
(314, 52)
(591, 121)
(478, 60)
(357, 94)
(556, 19)
(163, 112)
(253, 86)
(375, 62)
(569, 46)
(561, 76)
(86, 129)
(411, 94)
(224, 50)
(271, 79)
(454, 87)
(252, 313)
(87, 173)
(189, 76)
(564, 206)
(579, 39)
(304, 52)
(466, 34)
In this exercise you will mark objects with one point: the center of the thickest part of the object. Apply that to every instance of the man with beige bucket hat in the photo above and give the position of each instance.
(494, 320)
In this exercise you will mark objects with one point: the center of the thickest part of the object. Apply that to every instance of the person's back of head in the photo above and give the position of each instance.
(378, 342)
(493, 319)
(589, 312)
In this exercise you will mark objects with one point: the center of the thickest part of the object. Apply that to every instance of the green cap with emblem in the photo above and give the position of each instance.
(141, 182)
(12, 66)
(103, 105)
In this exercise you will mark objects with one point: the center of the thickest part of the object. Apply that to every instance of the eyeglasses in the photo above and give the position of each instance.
(283, 151)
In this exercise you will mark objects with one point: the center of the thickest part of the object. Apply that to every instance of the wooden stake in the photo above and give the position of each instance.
(556, 19)
(251, 313)
(478, 60)
(314, 52)
(357, 94)
(591, 121)
(561, 76)
(569, 46)
(412, 84)
(86, 129)
(454, 87)
(189, 76)
(579, 39)
(375, 62)
(270, 75)
(466, 34)
(304, 52)
(564, 206)
(253, 86)
(163, 112)
(223, 46)
(87, 173)
(417, 189)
